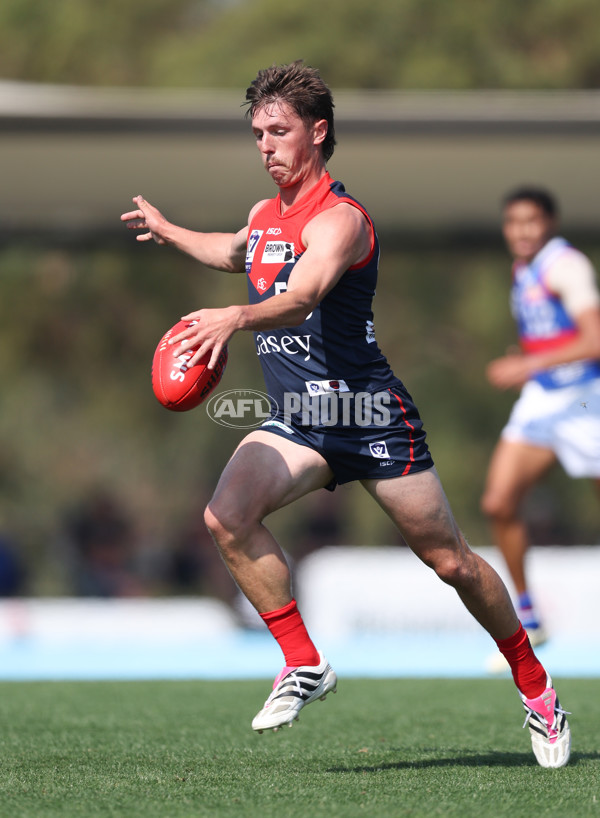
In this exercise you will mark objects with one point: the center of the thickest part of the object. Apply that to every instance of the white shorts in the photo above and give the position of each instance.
(565, 420)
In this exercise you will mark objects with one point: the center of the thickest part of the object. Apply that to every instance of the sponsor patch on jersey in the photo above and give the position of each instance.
(278, 252)
(283, 343)
(322, 387)
(370, 336)
(379, 449)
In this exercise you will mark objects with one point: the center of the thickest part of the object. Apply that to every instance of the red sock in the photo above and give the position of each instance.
(289, 630)
(527, 670)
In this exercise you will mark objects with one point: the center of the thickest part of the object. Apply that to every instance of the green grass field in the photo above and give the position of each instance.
(378, 748)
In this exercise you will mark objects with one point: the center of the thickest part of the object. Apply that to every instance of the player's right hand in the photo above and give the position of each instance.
(146, 217)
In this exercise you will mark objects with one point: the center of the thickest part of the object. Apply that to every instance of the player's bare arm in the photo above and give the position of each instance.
(221, 251)
(335, 240)
(512, 371)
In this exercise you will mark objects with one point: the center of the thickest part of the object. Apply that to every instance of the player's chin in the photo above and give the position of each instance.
(277, 173)
(525, 250)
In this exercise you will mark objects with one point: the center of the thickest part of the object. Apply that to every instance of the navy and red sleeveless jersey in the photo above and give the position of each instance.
(335, 348)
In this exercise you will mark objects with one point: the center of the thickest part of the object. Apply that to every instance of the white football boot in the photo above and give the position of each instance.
(294, 688)
(549, 728)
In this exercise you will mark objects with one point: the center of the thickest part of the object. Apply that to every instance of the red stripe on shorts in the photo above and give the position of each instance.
(410, 434)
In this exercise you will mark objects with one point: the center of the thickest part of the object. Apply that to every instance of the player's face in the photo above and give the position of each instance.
(526, 228)
(288, 147)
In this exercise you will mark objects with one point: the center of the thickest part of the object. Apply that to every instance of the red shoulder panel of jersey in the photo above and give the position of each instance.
(275, 239)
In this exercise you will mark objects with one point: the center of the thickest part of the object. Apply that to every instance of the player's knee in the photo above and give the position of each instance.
(224, 524)
(212, 522)
(454, 565)
(497, 507)
(489, 505)
(452, 570)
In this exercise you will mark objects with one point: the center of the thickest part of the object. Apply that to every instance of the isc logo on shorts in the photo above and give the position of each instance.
(379, 449)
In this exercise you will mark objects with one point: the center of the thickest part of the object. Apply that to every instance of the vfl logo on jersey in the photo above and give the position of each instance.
(253, 240)
(379, 449)
(278, 252)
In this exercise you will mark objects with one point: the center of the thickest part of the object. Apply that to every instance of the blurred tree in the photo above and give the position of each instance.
(382, 44)
(85, 42)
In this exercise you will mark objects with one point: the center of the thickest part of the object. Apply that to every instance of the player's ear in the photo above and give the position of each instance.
(320, 129)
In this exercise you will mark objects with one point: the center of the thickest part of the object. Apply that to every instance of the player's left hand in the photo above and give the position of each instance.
(211, 330)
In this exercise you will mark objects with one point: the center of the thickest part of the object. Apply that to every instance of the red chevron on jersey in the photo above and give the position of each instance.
(273, 253)
(335, 343)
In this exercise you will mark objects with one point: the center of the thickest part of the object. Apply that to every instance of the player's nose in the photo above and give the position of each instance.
(266, 144)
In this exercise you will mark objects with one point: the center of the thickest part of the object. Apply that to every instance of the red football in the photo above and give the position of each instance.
(177, 386)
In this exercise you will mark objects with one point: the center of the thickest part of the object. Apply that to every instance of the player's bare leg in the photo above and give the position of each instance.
(514, 468)
(265, 473)
(418, 506)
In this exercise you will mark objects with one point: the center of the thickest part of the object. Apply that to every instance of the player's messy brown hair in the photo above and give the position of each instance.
(302, 88)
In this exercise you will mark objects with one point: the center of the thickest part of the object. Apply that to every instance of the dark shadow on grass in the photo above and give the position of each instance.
(460, 760)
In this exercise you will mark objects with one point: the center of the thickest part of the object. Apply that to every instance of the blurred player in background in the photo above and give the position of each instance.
(556, 304)
(310, 256)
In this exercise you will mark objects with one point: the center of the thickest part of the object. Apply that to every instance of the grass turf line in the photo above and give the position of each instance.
(417, 748)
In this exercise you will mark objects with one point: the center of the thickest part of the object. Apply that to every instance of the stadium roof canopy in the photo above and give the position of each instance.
(424, 163)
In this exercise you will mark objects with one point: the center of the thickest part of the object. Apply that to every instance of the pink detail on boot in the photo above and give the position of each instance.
(282, 675)
(544, 706)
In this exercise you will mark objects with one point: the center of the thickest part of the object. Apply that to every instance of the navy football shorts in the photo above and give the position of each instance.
(394, 447)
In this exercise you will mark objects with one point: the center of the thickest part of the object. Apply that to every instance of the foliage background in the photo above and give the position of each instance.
(79, 321)
(381, 44)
